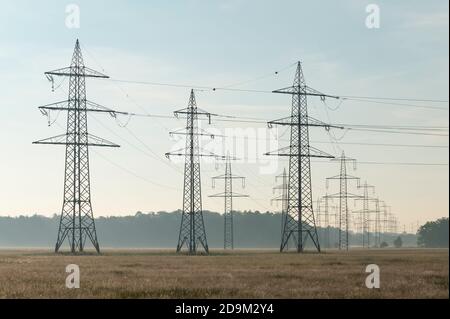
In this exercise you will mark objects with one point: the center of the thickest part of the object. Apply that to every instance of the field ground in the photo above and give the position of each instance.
(404, 273)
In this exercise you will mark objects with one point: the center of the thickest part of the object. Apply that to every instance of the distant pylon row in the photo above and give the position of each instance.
(368, 221)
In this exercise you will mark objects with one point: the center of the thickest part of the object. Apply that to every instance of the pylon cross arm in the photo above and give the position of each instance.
(77, 71)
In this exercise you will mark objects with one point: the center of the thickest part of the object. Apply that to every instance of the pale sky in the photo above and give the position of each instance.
(218, 43)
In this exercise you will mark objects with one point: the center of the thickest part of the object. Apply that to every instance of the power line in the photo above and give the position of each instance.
(405, 163)
(355, 127)
(368, 99)
(152, 154)
(344, 143)
(398, 104)
(185, 86)
(397, 127)
(380, 100)
(393, 99)
(133, 173)
(387, 144)
(350, 98)
(127, 95)
(260, 77)
(395, 132)
(122, 167)
(229, 87)
(394, 163)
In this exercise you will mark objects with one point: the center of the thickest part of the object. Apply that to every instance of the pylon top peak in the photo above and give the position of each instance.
(299, 79)
(192, 102)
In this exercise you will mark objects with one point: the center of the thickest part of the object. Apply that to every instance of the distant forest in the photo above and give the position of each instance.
(434, 234)
(252, 229)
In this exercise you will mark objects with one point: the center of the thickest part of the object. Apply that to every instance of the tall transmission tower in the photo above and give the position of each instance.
(318, 214)
(377, 224)
(332, 213)
(365, 212)
(357, 222)
(367, 220)
(228, 195)
(323, 209)
(283, 197)
(384, 219)
(327, 211)
(390, 223)
(77, 219)
(343, 197)
(393, 221)
(300, 223)
(192, 230)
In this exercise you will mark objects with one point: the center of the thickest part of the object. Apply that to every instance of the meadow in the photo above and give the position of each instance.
(404, 273)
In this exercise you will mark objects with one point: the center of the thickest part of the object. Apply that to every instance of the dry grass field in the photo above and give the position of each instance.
(404, 273)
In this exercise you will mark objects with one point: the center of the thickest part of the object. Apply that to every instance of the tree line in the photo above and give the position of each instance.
(252, 229)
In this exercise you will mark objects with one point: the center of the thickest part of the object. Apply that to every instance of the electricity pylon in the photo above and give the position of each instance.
(376, 221)
(343, 197)
(365, 212)
(283, 187)
(357, 222)
(384, 219)
(332, 215)
(300, 223)
(317, 213)
(192, 230)
(367, 220)
(228, 195)
(377, 224)
(77, 219)
(393, 223)
(323, 208)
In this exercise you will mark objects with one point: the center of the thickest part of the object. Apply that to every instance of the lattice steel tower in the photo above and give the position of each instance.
(300, 223)
(283, 197)
(228, 195)
(326, 214)
(367, 220)
(365, 212)
(192, 229)
(77, 219)
(377, 224)
(386, 210)
(343, 196)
